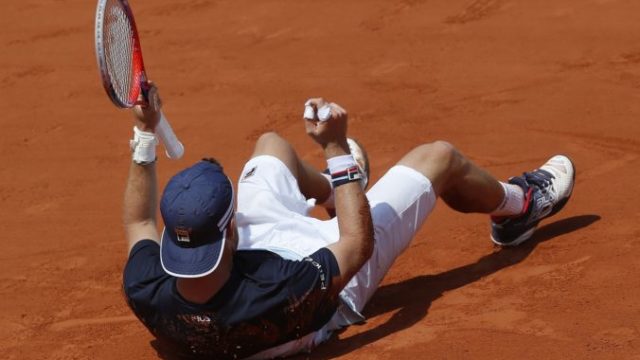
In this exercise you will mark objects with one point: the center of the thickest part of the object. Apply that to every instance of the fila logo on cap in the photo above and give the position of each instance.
(183, 234)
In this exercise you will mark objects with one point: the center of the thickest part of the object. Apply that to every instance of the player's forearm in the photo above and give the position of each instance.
(354, 216)
(140, 197)
(354, 221)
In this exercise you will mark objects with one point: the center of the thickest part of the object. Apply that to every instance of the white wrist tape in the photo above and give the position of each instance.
(309, 113)
(143, 146)
(324, 112)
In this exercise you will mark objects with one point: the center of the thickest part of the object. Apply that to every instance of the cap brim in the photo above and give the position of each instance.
(190, 262)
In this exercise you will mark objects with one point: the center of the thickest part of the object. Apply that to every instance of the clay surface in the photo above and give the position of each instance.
(509, 82)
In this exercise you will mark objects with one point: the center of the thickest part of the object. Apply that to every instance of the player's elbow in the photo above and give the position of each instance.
(366, 243)
(369, 235)
(367, 250)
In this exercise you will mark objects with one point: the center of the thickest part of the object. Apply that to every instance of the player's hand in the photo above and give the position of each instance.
(331, 131)
(147, 114)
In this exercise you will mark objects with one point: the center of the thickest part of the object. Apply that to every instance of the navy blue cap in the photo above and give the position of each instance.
(196, 206)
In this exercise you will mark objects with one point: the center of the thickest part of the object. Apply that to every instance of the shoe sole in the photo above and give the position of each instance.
(529, 233)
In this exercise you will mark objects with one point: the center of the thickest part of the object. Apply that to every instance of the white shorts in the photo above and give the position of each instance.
(272, 214)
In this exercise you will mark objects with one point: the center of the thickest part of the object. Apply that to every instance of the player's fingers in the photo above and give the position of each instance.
(141, 101)
(336, 113)
(154, 98)
(150, 89)
(339, 109)
(315, 103)
(311, 127)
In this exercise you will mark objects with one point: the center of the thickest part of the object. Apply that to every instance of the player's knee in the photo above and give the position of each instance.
(450, 159)
(269, 138)
(439, 153)
(269, 143)
(447, 156)
(439, 161)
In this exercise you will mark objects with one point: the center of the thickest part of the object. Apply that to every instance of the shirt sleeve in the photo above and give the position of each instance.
(327, 266)
(312, 292)
(143, 268)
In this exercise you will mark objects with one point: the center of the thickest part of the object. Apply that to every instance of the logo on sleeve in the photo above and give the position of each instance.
(323, 280)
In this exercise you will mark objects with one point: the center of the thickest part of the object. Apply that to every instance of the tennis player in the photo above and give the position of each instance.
(260, 278)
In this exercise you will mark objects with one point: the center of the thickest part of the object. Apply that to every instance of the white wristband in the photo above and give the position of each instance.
(143, 146)
(340, 163)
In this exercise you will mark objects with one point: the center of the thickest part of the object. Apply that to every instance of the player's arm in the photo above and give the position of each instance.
(140, 197)
(355, 244)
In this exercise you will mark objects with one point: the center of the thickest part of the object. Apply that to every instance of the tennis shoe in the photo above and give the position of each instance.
(546, 191)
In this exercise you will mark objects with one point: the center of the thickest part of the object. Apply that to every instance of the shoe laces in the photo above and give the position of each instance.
(542, 179)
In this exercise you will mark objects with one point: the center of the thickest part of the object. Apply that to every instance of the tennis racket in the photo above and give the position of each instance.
(121, 67)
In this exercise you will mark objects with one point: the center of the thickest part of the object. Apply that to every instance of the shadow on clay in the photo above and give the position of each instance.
(424, 289)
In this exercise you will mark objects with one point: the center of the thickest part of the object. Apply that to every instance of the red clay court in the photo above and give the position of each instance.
(509, 82)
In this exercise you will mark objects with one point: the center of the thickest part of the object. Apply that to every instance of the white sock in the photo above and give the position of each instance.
(513, 203)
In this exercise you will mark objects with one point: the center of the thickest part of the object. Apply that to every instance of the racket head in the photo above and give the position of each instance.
(119, 53)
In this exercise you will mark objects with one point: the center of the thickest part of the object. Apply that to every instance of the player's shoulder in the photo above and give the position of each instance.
(143, 265)
(271, 267)
(144, 250)
(260, 262)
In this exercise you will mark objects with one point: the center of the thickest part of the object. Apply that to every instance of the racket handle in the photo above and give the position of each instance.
(172, 145)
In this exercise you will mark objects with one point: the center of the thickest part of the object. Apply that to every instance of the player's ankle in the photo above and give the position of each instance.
(513, 203)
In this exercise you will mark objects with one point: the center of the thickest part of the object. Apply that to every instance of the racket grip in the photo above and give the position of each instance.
(173, 147)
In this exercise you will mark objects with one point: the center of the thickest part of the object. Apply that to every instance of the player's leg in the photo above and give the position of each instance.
(311, 182)
(406, 194)
(464, 186)
(400, 203)
(403, 198)
(273, 189)
(516, 206)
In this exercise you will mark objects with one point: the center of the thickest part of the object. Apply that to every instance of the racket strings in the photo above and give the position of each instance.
(119, 44)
